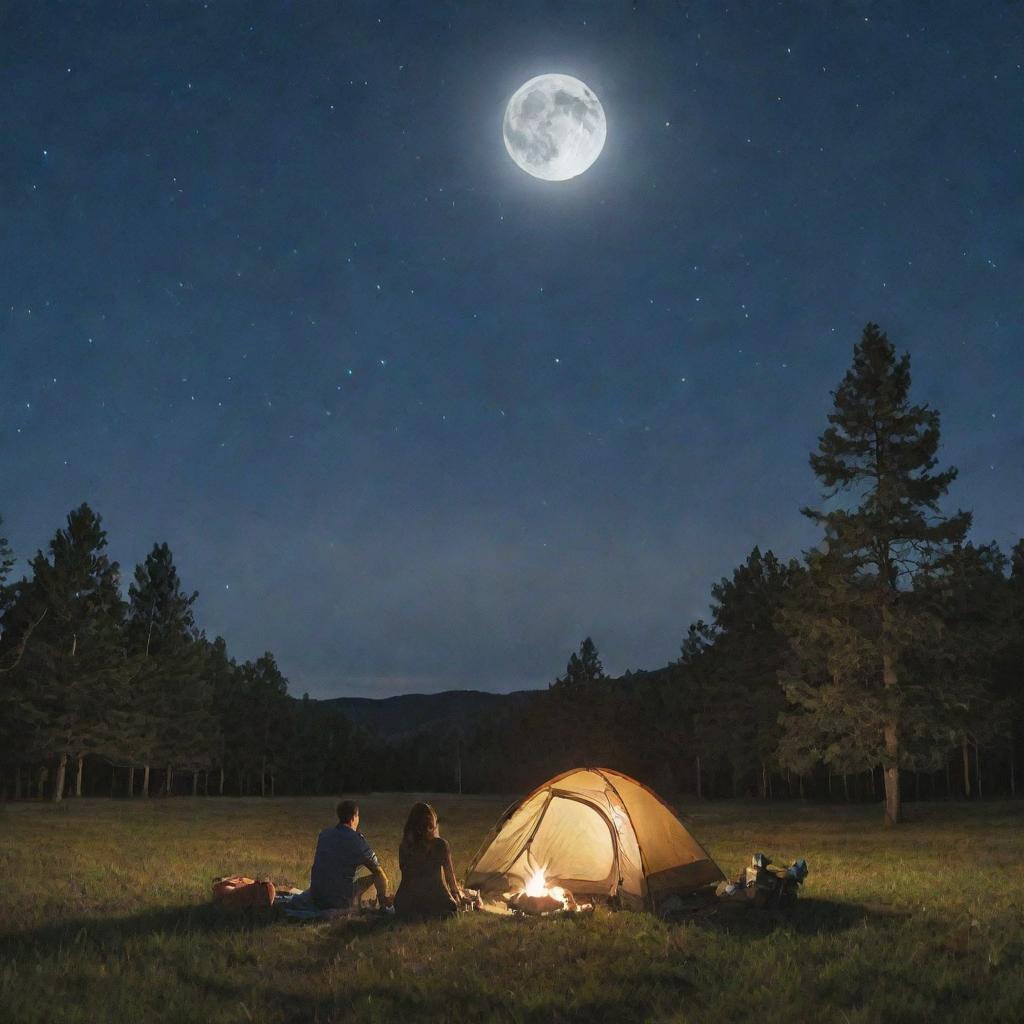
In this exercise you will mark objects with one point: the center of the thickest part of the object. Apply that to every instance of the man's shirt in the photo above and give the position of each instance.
(339, 853)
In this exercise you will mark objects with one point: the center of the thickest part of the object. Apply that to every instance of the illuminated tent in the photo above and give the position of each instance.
(595, 832)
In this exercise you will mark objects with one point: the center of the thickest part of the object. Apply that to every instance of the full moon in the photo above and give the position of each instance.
(554, 127)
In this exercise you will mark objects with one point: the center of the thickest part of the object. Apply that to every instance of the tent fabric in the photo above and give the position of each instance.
(595, 832)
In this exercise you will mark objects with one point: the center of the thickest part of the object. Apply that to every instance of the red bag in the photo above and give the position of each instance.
(237, 892)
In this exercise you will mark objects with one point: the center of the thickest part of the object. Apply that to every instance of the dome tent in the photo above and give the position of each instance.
(595, 832)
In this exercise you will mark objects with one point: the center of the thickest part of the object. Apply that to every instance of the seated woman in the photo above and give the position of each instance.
(429, 887)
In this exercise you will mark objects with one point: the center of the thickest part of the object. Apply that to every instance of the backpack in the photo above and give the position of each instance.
(236, 893)
(765, 886)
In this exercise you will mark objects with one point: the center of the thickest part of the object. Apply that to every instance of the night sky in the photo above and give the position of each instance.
(272, 290)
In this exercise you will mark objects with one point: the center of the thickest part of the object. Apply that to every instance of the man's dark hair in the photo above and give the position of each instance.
(347, 810)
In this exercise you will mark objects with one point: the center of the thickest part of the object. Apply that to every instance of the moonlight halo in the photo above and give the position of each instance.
(554, 127)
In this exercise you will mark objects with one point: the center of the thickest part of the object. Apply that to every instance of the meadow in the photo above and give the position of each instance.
(104, 917)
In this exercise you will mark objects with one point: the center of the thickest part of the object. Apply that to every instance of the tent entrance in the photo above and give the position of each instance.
(575, 844)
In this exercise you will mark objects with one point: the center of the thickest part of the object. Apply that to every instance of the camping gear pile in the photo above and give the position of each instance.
(761, 885)
(589, 834)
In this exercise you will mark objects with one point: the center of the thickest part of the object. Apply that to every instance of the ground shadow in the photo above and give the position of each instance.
(112, 932)
(807, 916)
(109, 933)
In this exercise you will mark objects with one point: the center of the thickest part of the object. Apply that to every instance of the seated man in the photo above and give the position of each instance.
(340, 851)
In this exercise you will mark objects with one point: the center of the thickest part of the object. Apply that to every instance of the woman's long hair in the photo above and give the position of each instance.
(421, 825)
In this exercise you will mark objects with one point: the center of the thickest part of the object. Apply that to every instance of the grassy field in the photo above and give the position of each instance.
(103, 917)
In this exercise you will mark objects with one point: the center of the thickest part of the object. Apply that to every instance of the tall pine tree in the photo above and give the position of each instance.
(164, 639)
(75, 666)
(883, 529)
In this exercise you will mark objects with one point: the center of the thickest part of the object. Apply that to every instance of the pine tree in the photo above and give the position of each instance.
(583, 669)
(160, 612)
(832, 718)
(6, 557)
(163, 718)
(691, 682)
(879, 454)
(1015, 650)
(226, 705)
(267, 715)
(14, 723)
(1009, 668)
(75, 665)
(972, 600)
(736, 721)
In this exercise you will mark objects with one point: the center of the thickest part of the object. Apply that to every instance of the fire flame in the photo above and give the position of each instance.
(537, 886)
(547, 898)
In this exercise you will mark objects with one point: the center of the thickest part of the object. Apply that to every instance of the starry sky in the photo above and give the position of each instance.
(273, 291)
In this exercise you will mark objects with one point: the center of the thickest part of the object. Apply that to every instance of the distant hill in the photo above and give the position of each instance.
(392, 717)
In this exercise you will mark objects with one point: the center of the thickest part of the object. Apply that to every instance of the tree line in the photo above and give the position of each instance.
(102, 694)
(888, 661)
(885, 662)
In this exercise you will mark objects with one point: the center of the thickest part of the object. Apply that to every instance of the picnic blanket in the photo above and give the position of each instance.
(299, 906)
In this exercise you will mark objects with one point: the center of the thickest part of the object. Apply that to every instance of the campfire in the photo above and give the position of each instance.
(538, 898)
